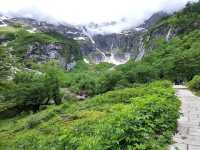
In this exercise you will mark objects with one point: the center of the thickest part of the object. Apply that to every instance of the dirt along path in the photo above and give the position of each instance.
(188, 135)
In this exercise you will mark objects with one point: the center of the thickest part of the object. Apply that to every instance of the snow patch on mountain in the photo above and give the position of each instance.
(80, 38)
(86, 60)
(33, 30)
(87, 33)
(2, 21)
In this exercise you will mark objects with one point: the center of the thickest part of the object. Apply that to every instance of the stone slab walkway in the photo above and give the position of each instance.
(188, 135)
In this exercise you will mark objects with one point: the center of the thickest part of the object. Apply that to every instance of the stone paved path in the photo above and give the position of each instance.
(188, 136)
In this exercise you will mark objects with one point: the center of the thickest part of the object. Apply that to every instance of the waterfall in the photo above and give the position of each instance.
(168, 34)
(86, 61)
(102, 53)
(88, 34)
(110, 59)
(141, 50)
(111, 47)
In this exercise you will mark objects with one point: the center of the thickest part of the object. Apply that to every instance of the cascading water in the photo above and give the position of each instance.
(113, 59)
(168, 34)
(85, 32)
(107, 58)
(102, 53)
(141, 50)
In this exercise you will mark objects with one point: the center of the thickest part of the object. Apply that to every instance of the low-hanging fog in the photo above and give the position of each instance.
(125, 12)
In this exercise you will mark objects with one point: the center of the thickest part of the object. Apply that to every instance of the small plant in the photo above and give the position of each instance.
(32, 122)
(194, 84)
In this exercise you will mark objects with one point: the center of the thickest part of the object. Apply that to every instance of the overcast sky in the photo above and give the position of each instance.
(86, 11)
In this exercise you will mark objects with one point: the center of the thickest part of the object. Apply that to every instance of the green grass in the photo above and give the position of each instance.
(8, 29)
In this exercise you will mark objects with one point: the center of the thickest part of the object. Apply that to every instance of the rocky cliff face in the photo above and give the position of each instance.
(116, 48)
(47, 52)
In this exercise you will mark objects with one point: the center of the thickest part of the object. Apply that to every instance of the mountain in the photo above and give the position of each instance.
(96, 47)
(51, 99)
(116, 48)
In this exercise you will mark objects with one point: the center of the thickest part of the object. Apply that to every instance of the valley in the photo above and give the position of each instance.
(77, 88)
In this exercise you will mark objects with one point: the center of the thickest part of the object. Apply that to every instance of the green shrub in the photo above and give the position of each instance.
(5, 64)
(147, 122)
(32, 90)
(194, 84)
(35, 120)
(134, 118)
(84, 82)
(32, 122)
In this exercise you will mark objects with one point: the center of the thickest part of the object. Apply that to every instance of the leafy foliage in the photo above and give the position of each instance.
(194, 84)
(134, 118)
(185, 20)
(177, 60)
(5, 64)
(32, 90)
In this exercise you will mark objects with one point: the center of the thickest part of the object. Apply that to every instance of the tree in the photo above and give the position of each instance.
(52, 88)
(109, 80)
(5, 64)
(33, 90)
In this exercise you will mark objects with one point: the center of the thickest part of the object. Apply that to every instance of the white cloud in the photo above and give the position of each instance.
(86, 11)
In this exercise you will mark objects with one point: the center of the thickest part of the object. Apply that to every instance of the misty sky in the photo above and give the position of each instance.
(86, 11)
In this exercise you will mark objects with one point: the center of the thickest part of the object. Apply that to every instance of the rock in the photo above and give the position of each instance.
(42, 52)
(71, 65)
(45, 52)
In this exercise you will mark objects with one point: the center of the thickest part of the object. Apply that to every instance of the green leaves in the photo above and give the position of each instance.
(5, 64)
(134, 118)
(138, 124)
(32, 89)
(194, 84)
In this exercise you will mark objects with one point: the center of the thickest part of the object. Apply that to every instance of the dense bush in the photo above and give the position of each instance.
(109, 80)
(136, 118)
(133, 126)
(194, 84)
(84, 83)
(132, 122)
(32, 90)
(5, 64)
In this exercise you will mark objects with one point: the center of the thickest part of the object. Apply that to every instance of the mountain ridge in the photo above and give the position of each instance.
(114, 48)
